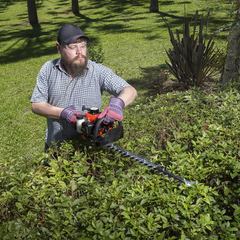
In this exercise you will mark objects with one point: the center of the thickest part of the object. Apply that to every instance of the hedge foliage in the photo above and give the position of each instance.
(95, 194)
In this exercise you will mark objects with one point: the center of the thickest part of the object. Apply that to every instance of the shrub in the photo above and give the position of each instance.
(96, 53)
(91, 193)
(192, 60)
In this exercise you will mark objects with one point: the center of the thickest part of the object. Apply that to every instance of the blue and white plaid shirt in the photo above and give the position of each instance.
(55, 87)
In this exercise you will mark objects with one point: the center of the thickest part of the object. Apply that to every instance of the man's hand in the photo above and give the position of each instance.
(113, 112)
(69, 114)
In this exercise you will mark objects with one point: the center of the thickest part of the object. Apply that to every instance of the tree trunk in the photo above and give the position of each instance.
(75, 6)
(232, 61)
(32, 12)
(154, 6)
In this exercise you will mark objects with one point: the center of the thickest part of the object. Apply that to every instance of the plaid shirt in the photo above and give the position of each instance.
(55, 87)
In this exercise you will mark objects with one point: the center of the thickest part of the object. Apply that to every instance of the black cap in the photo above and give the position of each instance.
(69, 33)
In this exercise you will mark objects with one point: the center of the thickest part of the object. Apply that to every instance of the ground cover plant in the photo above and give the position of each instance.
(94, 194)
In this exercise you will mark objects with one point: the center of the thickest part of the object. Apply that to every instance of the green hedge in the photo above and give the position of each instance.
(95, 194)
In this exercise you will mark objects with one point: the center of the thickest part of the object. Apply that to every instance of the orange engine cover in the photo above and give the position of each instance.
(91, 117)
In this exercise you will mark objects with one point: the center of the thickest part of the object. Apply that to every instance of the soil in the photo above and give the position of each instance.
(162, 84)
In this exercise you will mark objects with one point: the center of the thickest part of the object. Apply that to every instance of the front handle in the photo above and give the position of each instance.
(97, 128)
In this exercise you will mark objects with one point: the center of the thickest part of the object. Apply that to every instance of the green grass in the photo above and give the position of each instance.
(130, 35)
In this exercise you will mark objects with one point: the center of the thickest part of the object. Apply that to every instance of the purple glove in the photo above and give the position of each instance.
(69, 114)
(113, 112)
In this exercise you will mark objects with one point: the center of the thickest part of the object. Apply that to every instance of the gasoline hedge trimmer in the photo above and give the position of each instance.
(96, 133)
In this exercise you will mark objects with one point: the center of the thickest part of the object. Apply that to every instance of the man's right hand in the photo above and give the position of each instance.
(69, 114)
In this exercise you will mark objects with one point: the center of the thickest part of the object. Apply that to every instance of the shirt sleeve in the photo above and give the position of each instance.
(110, 82)
(40, 92)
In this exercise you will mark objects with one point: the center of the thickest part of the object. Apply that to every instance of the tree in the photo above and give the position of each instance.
(32, 12)
(232, 61)
(154, 6)
(75, 6)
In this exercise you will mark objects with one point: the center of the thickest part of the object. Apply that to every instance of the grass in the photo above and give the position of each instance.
(130, 35)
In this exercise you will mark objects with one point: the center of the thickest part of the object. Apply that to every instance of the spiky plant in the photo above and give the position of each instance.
(192, 59)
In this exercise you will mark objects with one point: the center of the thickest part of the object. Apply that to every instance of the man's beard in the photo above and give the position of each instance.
(75, 69)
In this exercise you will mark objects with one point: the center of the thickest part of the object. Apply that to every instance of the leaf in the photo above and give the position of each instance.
(66, 162)
(122, 207)
(206, 199)
(161, 236)
(62, 184)
(233, 175)
(133, 232)
(99, 225)
(106, 161)
(113, 205)
(22, 176)
(90, 229)
(149, 225)
(144, 229)
(83, 170)
(165, 225)
(233, 229)
(126, 215)
(169, 144)
(185, 206)
(153, 150)
(45, 230)
(92, 180)
(19, 205)
(143, 201)
(237, 211)
(76, 201)
(226, 191)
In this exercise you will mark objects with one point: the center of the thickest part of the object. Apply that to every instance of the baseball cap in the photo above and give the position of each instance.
(69, 33)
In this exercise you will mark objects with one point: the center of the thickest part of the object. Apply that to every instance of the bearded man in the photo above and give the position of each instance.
(64, 85)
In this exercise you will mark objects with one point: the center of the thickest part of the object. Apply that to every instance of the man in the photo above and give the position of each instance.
(64, 85)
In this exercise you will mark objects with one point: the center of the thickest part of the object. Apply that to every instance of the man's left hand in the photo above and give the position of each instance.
(113, 112)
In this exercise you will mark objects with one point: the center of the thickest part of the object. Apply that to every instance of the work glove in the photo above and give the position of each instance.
(113, 112)
(69, 114)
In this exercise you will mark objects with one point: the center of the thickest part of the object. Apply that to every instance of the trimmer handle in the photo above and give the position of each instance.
(111, 135)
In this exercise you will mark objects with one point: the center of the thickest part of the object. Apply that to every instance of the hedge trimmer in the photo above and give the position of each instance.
(96, 133)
